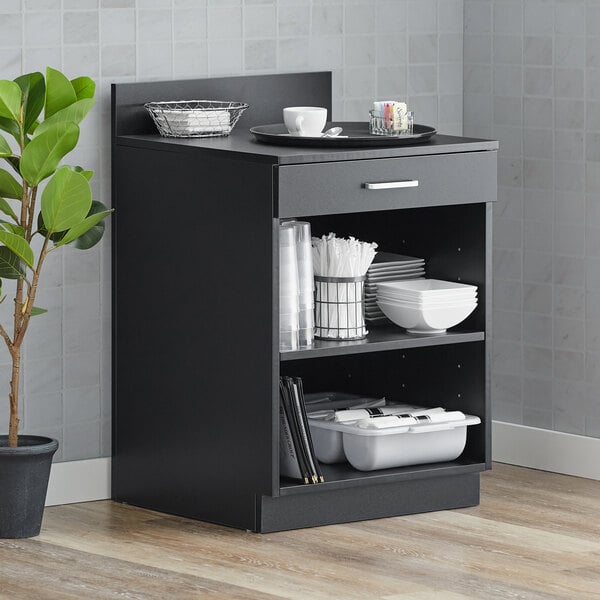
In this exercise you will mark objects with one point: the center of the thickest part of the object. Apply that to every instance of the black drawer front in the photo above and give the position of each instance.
(343, 187)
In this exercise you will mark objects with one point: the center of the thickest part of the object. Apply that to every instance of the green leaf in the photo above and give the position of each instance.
(75, 113)
(36, 310)
(10, 100)
(66, 200)
(16, 229)
(9, 186)
(6, 208)
(33, 88)
(11, 266)
(11, 127)
(91, 237)
(42, 155)
(18, 245)
(84, 87)
(14, 162)
(59, 92)
(55, 237)
(87, 174)
(4, 148)
(83, 228)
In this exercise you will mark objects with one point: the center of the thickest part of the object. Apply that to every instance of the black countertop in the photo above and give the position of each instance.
(241, 143)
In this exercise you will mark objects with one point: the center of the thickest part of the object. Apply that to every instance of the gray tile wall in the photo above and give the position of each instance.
(532, 80)
(376, 49)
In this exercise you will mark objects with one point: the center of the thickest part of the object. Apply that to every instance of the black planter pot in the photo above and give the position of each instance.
(24, 474)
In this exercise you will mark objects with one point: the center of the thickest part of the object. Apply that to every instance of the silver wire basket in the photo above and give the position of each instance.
(339, 308)
(195, 118)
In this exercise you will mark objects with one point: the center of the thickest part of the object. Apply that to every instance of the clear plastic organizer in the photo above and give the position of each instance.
(371, 449)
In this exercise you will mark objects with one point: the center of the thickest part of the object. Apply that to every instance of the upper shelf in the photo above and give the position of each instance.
(380, 339)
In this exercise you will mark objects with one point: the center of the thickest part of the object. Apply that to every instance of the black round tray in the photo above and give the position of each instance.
(357, 132)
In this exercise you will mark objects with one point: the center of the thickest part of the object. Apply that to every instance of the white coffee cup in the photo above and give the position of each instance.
(305, 121)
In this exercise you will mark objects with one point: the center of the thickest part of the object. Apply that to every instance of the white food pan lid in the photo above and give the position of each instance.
(353, 429)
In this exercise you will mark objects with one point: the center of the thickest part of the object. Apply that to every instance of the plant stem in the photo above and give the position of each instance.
(15, 347)
(19, 292)
(24, 205)
(13, 425)
(18, 324)
(31, 213)
(18, 339)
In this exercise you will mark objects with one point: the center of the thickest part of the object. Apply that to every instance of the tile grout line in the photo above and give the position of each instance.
(554, 226)
(243, 37)
(208, 52)
(172, 39)
(522, 189)
(585, 207)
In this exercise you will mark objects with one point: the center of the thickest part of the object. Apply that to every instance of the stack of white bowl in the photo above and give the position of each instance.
(388, 267)
(426, 306)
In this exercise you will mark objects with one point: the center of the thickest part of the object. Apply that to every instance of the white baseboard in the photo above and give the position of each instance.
(546, 450)
(79, 481)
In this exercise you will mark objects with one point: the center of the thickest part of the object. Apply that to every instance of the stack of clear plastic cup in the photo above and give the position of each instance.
(289, 292)
(306, 331)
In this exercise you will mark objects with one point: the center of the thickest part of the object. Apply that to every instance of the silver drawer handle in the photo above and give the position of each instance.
(388, 185)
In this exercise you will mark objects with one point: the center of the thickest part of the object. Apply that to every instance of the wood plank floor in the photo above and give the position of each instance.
(535, 536)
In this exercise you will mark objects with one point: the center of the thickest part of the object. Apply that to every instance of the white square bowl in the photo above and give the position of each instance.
(425, 320)
(425, 288)
(427, 302)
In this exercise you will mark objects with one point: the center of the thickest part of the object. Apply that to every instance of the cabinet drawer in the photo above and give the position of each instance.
(386, 183)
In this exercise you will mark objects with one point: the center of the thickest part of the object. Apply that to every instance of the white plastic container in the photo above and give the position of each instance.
(328, 440)
(371, 449)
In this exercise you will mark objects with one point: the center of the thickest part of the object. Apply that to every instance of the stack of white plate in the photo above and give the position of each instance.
(388, 267)
(426, 305)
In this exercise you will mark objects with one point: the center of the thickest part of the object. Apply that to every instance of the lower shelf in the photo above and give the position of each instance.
(343, 475)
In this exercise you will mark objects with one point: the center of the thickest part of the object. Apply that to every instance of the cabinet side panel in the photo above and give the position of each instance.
(193, 334)
(488, 332)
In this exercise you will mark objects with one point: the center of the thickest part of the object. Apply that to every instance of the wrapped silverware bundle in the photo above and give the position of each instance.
(340, 266)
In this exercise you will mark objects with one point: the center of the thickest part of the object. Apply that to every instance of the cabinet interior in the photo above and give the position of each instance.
(452, 240)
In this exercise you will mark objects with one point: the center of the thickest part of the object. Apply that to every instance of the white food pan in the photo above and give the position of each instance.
(371, 449)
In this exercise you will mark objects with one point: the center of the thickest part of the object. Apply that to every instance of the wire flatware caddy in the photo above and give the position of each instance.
(195, 118)
(339, 308)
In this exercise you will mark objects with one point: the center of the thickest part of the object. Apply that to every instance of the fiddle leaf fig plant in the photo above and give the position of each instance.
(67, 214)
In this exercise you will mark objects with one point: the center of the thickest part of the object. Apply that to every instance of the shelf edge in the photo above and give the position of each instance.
(381, 346)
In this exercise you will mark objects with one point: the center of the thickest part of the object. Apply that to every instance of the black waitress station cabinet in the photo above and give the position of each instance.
(196, 360)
